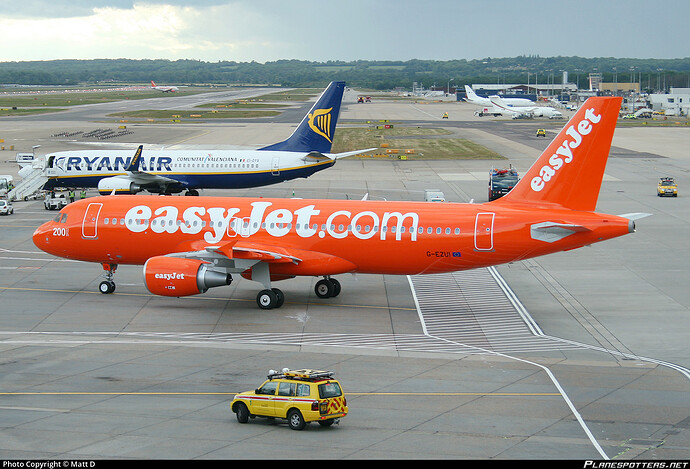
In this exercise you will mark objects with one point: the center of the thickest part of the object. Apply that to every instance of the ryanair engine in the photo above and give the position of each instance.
(174, 276)
(119, 184)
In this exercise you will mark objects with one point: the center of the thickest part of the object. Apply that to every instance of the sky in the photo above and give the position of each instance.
(269, 30)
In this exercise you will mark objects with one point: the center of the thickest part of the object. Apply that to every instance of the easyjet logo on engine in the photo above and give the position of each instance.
(564, 153)
(171, 276)
(217, 222)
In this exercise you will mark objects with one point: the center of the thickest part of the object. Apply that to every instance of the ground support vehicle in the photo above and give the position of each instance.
(667, 187)
(434, 195)
(541, 133)
(6, 207)
(501, 181)
(54, 203)
(299, 396)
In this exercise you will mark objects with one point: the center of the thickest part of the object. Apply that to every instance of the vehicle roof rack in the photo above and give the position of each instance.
(304, 374)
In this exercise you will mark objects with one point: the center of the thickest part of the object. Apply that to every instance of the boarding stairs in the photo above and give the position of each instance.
(30, 185)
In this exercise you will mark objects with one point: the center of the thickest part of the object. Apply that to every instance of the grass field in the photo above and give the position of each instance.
(207, 114)
(412, 142)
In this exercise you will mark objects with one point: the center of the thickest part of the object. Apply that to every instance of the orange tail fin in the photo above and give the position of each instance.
(569, 172)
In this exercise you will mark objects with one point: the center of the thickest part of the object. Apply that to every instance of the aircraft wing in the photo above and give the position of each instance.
(239, 255)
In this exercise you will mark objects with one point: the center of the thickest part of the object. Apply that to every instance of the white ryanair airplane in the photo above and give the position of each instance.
(305, 152)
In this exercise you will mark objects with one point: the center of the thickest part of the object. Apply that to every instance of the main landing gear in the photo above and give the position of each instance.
(108, 285)
(274, 298)
(327, 288)
(269, 299)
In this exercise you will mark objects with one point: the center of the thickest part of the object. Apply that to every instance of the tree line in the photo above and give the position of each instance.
(652, 74)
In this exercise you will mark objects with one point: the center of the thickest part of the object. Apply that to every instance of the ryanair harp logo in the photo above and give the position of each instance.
(320, 122)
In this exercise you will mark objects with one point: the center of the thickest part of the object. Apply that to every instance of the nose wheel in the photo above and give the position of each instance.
(108, 285)
(327, 288)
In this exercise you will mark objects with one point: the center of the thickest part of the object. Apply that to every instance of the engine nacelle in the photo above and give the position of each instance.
(174, 276)
(119, 184)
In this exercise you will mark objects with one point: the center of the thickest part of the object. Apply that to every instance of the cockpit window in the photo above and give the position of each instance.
(60, 218)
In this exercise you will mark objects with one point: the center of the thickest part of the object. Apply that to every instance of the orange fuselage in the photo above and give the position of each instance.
(326, 236)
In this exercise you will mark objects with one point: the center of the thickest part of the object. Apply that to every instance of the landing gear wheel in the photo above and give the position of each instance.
(106, 287)
(295, 420)
(280, 297)
(327, 288)
(267, 299)
(324, 288)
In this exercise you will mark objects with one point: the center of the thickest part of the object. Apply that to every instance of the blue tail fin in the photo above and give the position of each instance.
(316, 131)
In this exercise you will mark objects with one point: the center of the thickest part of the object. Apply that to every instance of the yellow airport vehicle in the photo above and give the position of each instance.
(541, 133)
(299, 396)
(667, 187)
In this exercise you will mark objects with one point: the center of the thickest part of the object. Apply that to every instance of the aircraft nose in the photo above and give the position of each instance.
(41, 236)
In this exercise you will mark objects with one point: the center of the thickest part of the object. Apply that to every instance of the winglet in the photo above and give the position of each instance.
(134, 164)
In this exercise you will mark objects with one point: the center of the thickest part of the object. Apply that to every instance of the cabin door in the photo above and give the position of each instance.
(89, 226)
(484, 232)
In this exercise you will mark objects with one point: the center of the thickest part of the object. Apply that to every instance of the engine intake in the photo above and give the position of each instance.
(173, 276)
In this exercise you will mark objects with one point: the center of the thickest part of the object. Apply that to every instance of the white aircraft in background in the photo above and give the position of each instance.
(484, 102)
(525, 111)
(164, 89)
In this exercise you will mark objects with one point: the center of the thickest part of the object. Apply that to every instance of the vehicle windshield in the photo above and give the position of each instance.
(331, 389)
(268, 388)
(505, 181)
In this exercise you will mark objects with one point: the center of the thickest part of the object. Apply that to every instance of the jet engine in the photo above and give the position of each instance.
(174, 276)
(121, 185)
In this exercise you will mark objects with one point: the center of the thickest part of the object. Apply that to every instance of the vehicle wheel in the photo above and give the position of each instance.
(280, 297)
(266, 299)
(324, 288)
(106, 287)
(295, 420)
(242, 413)
(326, 423)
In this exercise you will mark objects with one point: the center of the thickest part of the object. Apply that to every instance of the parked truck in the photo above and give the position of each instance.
(434, 195)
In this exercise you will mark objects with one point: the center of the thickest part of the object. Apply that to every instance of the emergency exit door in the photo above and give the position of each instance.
(89, 226)
(484, 232)
(275, 166)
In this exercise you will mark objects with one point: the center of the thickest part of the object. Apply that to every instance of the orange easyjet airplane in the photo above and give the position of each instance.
(189, 244)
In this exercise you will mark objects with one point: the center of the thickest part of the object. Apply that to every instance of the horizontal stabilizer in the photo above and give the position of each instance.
(350, 153)
(550, 232)
(316, 156)
(635, 216)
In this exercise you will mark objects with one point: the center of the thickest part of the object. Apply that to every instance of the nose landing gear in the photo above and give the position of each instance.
(108, 285)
